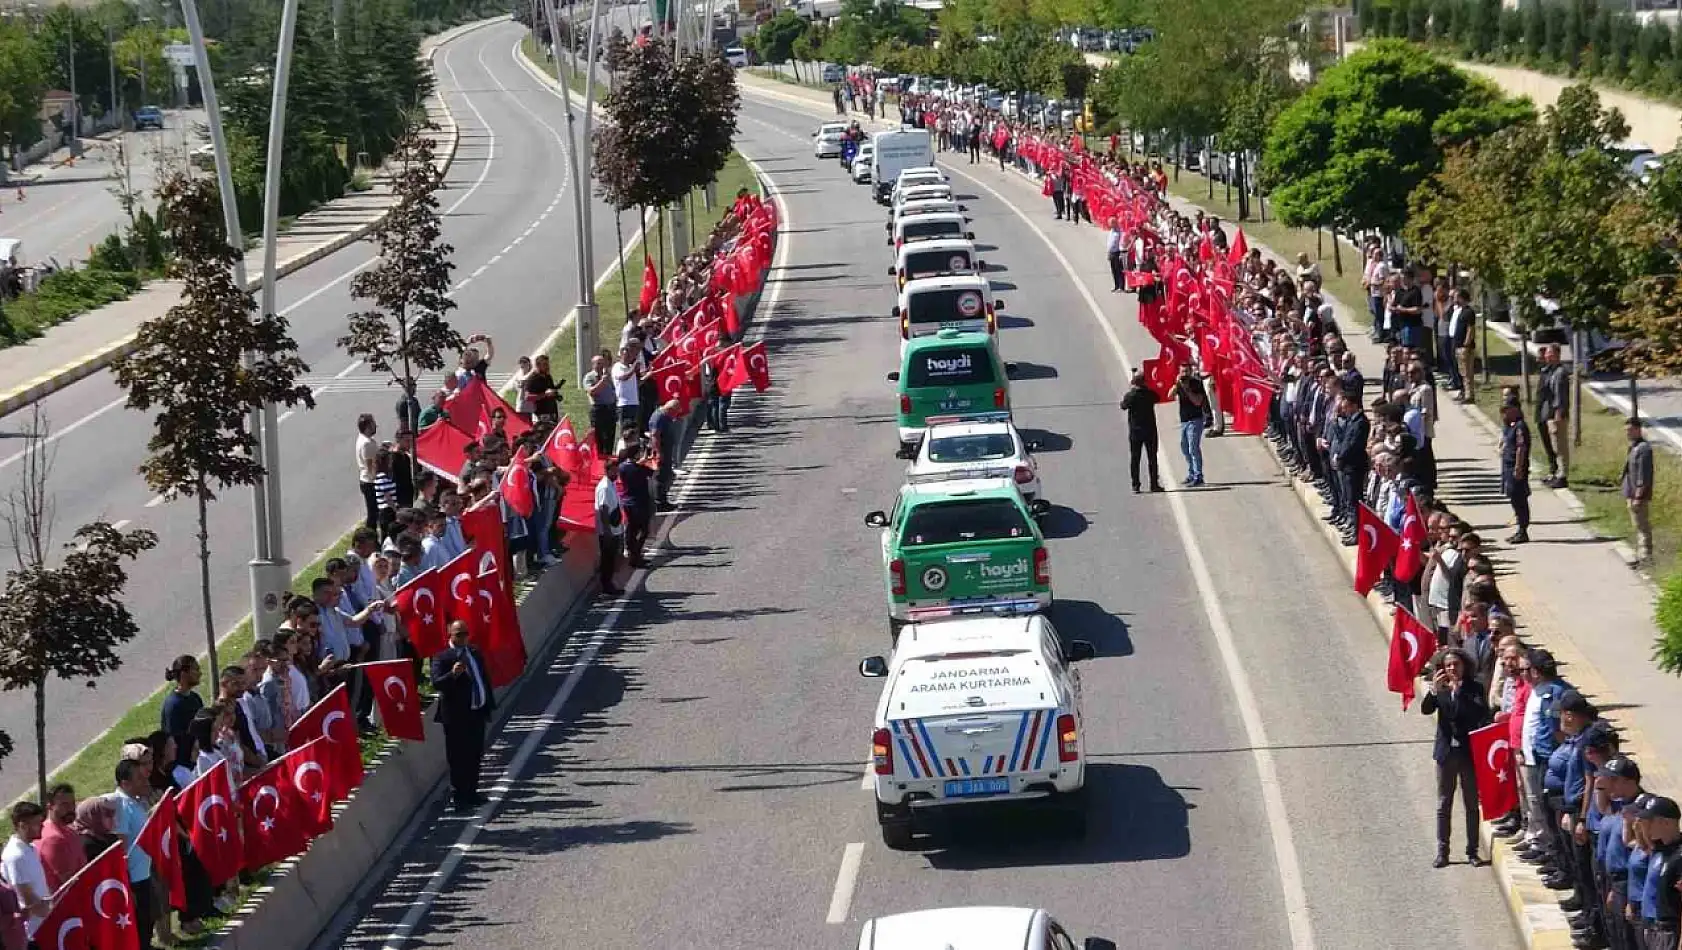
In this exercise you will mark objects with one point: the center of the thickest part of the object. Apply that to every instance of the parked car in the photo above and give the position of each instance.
(834, 73)
(148, 117)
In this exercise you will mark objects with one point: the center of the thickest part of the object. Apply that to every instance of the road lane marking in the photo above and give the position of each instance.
(846, 882)
(72, 427)
(1273, 798)
(868, 783)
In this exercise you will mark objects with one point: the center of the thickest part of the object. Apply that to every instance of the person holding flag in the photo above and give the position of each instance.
(130, 801)
(1458, 701)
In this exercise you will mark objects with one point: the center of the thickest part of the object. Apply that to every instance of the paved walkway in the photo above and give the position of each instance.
(88, 343)
(1570, 589)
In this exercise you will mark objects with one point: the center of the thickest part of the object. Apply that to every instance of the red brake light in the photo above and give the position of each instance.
(896, 576)
(999, 401)
(1024, 474)
(1042, 567)
(882, 752)
(1068, 740)
(904, 404)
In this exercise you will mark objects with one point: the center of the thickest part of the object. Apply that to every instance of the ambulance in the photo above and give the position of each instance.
(977, 712)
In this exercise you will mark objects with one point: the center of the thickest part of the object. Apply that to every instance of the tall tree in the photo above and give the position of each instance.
(60, 616)
(671, 129)
(1356, 144)
(23, 82)
(407, 330)
(200, 442)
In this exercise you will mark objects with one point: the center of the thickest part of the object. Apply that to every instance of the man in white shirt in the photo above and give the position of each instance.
(21, 867)
(367, 450)
(627, 375)
(610, 530)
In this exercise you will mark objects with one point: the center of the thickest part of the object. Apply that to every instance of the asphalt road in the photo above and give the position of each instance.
(69, 207)
(688, 771)
(510, 220)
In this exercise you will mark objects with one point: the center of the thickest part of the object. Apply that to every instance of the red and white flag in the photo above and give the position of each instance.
(160, 839)
(1255, 398)
(759, 367)
(271, 811)
(331, 719)
(1375, 548)
(1411, 647)
(733, 371)
(1410, 554)
(213, 824)
(517, 488)
(562, 447)
(1492, 757)
(496, 623)
(421, 607)
(94, 910)
(393, 682)
(306, 777)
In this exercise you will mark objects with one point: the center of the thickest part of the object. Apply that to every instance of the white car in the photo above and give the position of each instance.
(911, 209)
(978, 449)
(936, 259)
(863, 161)
(977, 711)
(826, 141)
(974, 928)
(962, 302)
(736, 56)
(929, 227)
(932, 192)
(919, 175)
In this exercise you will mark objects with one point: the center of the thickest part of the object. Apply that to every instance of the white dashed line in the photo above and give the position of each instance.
(846, 882)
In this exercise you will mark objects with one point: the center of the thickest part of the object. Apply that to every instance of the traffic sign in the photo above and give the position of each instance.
(179, 53)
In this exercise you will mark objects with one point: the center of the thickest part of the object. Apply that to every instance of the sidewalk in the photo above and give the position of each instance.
(82, 346)
(1570, 589)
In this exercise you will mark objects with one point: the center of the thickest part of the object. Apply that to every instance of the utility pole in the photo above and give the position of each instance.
(75, 101)
(111, 56)
(582, 342)
(277, 568)
(587, 322)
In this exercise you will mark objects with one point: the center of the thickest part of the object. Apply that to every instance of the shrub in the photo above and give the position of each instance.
(1667, 650)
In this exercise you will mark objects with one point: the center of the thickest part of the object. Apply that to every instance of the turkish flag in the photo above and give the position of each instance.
(496, 623)
(467, 406)
(759, 367)
(1249, 415)
(517, 488)
(514, 425)
(420, 606)
(671, 382)
(732, 320)
(393, 682)
(482, 527)
(1239, 250)
(1375, 547)
(94, 910)
(562, 447)
(650, 284)
(443, 448)
(460, 584)
(1492, 757)
(160, 839)
(306, 778)
(270, 811)
(1411, 646)
(734, 371)
(331, 719)
(208, 802)
(1160, 373)
(1410, 555)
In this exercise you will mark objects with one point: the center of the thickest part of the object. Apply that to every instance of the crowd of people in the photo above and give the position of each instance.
(416, 520)
(1363, 437)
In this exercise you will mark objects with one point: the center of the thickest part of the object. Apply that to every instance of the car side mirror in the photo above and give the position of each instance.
(877, 519)
(998, 304)
(1032, 445)
(1098, 943)
(1076, 651)
(892, 270)
(893, 377)
(980, 266)
(969, 235)
(888, 227)
(874, 666)
(1040, 508)
(894, 312)
(963, 207)
(1010, 370)
(888, 240)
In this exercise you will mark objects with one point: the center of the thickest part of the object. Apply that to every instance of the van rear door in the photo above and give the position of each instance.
(968, 551)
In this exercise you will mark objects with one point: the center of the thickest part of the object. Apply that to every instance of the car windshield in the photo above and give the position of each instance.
(917, 230)
(964, 520)
(946, 306)
(972, 447)
(926, 263)
(956, 366)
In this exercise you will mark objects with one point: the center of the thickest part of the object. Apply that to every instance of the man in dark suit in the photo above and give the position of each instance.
(1458, 701)
(465, 701)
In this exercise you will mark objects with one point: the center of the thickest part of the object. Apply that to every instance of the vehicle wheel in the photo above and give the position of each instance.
(894, 627)
(897, 835)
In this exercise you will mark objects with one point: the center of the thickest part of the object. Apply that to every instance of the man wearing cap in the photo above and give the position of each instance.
(1618, 785)
(1564, 785)
(1515, 465)
(1661, 905)
(1600, 747)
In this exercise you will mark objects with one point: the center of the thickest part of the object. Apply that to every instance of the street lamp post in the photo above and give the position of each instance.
(584, 319)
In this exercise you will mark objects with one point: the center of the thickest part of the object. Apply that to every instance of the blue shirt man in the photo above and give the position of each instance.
(131, 812)
(1543, 721)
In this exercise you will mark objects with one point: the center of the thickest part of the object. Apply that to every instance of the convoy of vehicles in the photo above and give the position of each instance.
(897, 151)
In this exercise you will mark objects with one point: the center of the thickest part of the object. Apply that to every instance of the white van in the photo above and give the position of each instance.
(896, 151)
(962, 302)
(736, 56)
(936, 259)
(977, 711)
(928, 227)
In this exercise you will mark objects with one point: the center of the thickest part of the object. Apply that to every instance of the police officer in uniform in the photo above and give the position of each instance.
(1661, 904)
(1617, 787)
(1515, 465)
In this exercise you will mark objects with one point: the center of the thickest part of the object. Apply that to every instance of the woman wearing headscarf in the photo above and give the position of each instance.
(96, 824)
